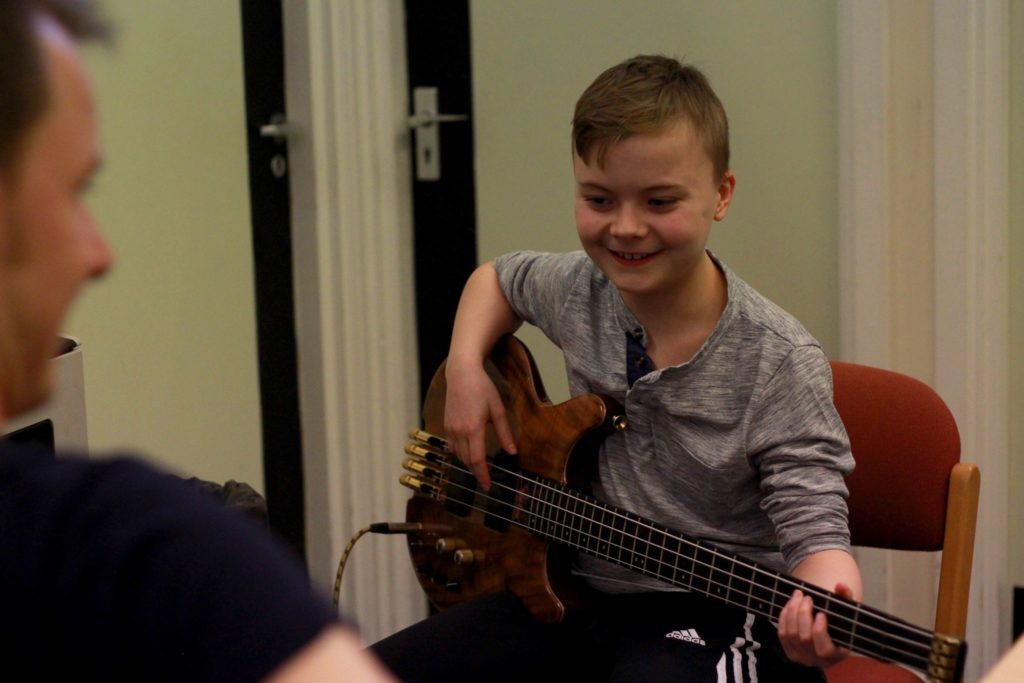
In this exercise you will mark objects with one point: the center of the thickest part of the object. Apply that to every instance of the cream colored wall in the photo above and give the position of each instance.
(1016, 483)
(772, 64)
(169, 337)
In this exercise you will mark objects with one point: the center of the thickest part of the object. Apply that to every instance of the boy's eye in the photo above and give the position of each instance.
(597, 201)
(662, 202)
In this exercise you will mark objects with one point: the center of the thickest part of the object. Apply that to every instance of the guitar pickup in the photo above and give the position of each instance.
(460, 492)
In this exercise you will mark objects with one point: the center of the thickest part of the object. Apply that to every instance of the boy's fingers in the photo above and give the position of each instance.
(504, 433)
(806, 622)
(823, 646)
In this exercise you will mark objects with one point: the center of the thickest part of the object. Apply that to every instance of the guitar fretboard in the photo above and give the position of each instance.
(563, 515)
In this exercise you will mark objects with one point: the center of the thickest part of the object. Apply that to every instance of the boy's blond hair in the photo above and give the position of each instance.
(647, 94)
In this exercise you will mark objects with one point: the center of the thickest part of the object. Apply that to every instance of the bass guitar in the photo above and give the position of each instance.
(520, 534)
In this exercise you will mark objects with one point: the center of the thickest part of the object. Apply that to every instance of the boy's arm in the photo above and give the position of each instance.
(482, 318)
(803, 633)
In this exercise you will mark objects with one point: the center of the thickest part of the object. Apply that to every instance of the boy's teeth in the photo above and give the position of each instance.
(631, 257)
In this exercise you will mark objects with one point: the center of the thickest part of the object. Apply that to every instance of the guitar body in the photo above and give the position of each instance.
(556, 442)
(518, 535)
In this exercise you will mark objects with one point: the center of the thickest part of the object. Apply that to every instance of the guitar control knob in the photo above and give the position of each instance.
(448, 545)
(468, 556)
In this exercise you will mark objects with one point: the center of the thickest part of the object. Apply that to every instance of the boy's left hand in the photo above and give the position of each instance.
(804, 634)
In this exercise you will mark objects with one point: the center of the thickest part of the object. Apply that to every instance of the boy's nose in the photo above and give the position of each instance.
(628, 223)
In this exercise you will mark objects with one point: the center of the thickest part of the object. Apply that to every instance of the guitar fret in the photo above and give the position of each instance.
(556, 513)
(718, 577)
(853, 627)
(527, 516)
(569, 518)
(743, 578)
(577, 522)
(633, 529)
(588, 520)
(549, 525)
(680, 547)
(659, 567)
(644, 551)
(559, 497)
(615, 539)
(762, 599)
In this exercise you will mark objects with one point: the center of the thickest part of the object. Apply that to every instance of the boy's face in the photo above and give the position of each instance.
(646, 216)
(49, 244)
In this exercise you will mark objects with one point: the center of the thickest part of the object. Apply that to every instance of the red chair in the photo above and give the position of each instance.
(909, 491)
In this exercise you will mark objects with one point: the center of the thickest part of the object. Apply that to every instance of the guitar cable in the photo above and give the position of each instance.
(375, 528)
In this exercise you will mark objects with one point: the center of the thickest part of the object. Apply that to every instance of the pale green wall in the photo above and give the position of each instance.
(772, 64)
(1016, 384)
(169, 337)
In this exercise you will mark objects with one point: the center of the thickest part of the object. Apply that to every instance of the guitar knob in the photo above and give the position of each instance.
(468, 556)
(447, 545)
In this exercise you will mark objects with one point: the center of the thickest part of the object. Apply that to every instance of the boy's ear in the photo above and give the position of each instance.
(725, 190)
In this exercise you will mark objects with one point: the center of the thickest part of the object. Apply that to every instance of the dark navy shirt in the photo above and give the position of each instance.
(110, 570)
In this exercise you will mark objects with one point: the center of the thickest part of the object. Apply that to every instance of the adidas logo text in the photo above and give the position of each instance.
(689, 635)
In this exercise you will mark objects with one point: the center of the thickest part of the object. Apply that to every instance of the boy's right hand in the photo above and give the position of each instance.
(471, 402)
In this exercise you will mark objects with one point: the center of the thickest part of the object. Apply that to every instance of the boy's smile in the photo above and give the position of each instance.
(645, 217)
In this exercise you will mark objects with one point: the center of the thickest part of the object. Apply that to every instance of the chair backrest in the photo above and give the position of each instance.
(909, 490)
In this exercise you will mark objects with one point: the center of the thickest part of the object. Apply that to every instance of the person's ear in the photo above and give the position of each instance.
(726, 186)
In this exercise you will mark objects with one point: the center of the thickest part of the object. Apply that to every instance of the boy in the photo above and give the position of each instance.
(732, 433)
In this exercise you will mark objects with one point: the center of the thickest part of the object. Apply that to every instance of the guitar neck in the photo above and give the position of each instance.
(565, 516)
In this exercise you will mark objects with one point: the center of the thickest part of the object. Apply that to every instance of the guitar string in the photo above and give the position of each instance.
(737, 560)
(837, 621)
(908, 658)
(754, 569)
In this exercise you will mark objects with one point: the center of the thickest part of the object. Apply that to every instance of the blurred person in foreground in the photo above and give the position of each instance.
(110, 570)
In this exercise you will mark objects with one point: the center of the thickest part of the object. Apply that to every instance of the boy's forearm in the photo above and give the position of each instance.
(483, 316)
(829, 567)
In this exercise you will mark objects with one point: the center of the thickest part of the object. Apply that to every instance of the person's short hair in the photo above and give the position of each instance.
(24, 87)
(648, 94)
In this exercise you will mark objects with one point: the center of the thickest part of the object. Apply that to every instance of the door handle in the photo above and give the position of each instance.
(425, 122)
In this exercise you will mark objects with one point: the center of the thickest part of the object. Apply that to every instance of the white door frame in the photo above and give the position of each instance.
(971, 233)
(352, 237)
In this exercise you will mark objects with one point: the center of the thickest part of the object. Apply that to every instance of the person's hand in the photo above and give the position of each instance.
(804, 634)
(471, 403)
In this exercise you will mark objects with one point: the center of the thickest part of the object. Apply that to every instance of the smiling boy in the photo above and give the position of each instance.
(732, 436)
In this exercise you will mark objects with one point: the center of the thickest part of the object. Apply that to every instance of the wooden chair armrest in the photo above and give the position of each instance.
(958, 550)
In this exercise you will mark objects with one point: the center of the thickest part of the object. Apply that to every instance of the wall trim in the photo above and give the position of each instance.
(971, 283)
(863, 82)
(863, 98)
(971, 344)
(353, 248)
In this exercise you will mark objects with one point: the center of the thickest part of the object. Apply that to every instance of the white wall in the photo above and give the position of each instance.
(169, 337)
(772, 64)
(1015, 542)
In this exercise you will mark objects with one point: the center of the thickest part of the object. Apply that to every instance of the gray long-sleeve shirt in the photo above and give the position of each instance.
(741, 445)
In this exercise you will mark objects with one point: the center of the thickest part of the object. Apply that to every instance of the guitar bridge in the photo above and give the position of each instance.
(946, 662)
